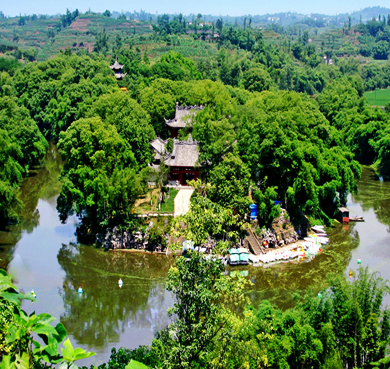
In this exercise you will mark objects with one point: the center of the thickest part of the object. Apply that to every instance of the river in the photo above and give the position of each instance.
(42, 254)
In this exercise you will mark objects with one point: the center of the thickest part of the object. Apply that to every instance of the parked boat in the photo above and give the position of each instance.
(356, 219)
(234, 258)
(239, 256)
(318, 229)
(244, 256)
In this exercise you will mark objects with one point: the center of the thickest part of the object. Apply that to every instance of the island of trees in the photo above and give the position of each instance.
(286, 122)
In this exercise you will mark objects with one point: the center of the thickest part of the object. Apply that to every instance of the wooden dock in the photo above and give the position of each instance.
(254, 245)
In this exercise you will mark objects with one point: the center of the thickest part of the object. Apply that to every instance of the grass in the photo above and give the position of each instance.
(378, 97)
(169, 205)
(142, 205)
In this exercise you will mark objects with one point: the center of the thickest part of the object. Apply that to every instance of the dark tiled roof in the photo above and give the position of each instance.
(184, 154)
(183, 115)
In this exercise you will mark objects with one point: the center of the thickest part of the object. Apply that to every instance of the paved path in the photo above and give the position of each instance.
(182, 201)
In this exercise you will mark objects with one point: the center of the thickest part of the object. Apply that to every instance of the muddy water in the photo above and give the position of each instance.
(42, 254)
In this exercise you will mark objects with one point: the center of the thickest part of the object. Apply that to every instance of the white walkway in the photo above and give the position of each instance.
(182, 201)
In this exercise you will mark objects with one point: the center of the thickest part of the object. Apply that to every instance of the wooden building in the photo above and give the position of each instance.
(118, 70)
(344, 214)
(182, 161)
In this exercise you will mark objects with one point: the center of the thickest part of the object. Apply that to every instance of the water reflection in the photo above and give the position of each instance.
(104, 310)
(279, 282)
(41, 184)
(40, 254)
(374, 194)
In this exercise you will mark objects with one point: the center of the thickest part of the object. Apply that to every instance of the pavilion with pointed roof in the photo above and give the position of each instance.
(118, 69)
(183, 116)
(182, 161)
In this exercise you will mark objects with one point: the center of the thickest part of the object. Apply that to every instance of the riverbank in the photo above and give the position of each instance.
(43, 255)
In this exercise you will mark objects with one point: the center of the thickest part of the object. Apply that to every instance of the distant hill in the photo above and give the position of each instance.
(40, 37)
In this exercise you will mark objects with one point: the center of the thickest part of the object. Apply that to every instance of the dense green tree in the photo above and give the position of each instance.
(207, 219)
(60, 90)
(159, 105)
(230, 180)
(266, 208)
(381, 50)
(23, 131)
(175, 67)
(202, 295)
(286, 142)
(130, 120)
(11, 172)
(99, 181)
(257, 79)
(361, 126)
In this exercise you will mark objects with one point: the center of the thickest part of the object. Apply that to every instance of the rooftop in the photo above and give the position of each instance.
(158, 145)
(116, 65)
(184, 153)
(183, 115)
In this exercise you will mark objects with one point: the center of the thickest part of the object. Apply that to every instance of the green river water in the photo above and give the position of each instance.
(42, 254)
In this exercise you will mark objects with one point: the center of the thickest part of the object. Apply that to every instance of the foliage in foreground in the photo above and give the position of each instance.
(346, 326)
(19, 348)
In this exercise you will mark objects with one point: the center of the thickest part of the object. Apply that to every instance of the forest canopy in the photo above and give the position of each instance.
(276, 120)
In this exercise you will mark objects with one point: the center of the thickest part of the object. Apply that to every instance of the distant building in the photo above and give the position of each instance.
(182, 161)
(118, 70)
(183, 116)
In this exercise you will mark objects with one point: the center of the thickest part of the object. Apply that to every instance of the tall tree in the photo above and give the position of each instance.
(99, 181)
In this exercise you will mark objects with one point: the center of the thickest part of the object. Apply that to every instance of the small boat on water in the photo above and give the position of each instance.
(318, 229)
(356, 219)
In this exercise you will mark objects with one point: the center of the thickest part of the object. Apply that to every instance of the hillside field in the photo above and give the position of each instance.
(378, 97)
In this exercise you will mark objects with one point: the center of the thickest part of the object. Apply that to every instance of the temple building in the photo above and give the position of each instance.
(118, 69)
(182, 161)
(183, 116)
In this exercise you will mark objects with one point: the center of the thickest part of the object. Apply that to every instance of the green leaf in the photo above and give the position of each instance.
(61, 332)
(46, 318)
(13, 298)
(6, 283)
(6, 363)
(44, 329)
(11, 334)
(80, 353)
(68, 351)
(22, 362)
(135, 365)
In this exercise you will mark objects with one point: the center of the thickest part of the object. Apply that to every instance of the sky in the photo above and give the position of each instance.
(213, 7)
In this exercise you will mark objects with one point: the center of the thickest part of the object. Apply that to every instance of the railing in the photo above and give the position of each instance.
(154, 214)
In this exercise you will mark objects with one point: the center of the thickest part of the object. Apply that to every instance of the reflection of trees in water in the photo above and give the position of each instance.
(104, 310)
(279, 282)
(374, 194)
(41, 184)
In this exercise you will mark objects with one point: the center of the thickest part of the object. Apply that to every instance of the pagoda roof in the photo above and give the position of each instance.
(116, 65)
(119, 75)
(183, 115)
